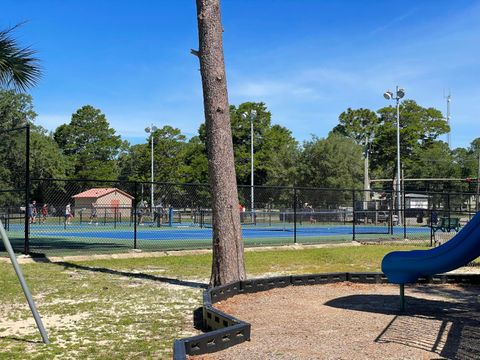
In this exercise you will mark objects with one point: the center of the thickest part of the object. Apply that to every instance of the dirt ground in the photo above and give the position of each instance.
(357, 321)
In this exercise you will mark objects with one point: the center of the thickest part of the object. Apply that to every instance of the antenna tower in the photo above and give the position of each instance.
(449, 99)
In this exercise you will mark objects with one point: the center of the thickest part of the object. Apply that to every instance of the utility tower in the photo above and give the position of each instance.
(449, 99)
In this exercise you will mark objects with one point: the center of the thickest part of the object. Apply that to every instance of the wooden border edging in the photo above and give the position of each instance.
(224, 330)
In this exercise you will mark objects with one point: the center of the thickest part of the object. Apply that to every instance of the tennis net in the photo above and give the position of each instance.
(283, 220)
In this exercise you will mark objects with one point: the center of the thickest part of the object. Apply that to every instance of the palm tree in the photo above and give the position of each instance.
(18, 66)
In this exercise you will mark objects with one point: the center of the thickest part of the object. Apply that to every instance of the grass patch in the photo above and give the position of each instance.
(135, 308)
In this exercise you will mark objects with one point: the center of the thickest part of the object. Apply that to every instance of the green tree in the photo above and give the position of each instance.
(419, 128)
(90, 144)
(169, 146)
(334, 162)
(275, 149)
(434, 161)
(468, 162)
(278, 156)
(18, 66)
(16, 111)
(241, 137)
(358, 124)
(46, 159)
(196, 161)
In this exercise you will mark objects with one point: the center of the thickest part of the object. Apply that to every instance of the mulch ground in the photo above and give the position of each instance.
(357, 321)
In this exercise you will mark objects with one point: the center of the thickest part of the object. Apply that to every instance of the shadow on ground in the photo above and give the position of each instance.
(68, 245)
(449, 327)
(135, 275)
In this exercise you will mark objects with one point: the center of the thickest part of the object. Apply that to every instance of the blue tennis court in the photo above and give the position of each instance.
(187, 233)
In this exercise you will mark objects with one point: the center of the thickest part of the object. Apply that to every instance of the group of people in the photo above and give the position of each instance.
(40, 216)
(69, 214)
(33, 213)
(159, 213)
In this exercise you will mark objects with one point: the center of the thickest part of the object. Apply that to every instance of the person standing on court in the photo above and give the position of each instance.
(158, 214)
(32, 211)
(68, 214)
(44, 212)
(141, 212)
(93, 214)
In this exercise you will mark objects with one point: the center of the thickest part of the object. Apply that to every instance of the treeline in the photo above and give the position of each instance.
(87, 147)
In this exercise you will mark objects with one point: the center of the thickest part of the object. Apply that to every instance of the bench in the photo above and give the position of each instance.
(447, 224)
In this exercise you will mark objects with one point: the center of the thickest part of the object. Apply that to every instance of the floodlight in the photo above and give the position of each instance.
(151, 129)
(253, 113)
(399, 93)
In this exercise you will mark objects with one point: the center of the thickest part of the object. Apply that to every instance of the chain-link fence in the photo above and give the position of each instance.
(12, 215)
(14, 182)
(83, 216)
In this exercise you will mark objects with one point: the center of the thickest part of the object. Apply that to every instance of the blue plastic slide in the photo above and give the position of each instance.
(403, 267)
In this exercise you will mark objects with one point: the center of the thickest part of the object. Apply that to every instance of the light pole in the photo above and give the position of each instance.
(150, 130)
(251, 116)
(399, 93)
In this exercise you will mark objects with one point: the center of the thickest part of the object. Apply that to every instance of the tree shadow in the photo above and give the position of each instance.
(14, 338)
(449, 328)
(73, 245)
(142, 276)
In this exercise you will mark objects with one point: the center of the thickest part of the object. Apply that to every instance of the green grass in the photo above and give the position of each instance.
(136, 307)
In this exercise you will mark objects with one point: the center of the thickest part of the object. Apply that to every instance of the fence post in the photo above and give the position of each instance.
(134, 209)
(8, 219)
(390, 213)
(353, 215)
(404, 216)
(26, 249)
(448, 206)
(294, 215)
(431, 228)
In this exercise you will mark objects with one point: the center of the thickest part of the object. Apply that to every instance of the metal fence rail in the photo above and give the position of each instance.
(81, 216)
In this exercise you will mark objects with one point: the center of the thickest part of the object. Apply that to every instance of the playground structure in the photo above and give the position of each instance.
(402, 267)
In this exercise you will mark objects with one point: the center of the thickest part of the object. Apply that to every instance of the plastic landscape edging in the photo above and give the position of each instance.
(224, 330)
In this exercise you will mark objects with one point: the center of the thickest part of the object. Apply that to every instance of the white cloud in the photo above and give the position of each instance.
(393, 22)
(262, 88)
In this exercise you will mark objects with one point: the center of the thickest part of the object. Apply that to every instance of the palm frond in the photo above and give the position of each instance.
(19, 68)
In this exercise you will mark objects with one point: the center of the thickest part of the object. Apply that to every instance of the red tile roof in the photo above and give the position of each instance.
(99, 192)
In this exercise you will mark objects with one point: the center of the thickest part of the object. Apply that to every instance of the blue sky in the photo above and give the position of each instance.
(308, 60)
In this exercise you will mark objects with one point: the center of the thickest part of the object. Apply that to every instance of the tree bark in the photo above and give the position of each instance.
(228, 263)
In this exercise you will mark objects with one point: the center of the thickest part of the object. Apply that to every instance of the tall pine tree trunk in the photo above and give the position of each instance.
(228, 259)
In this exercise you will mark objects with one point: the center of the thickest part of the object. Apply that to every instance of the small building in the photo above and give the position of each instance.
(417, 201)
(107, 202)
